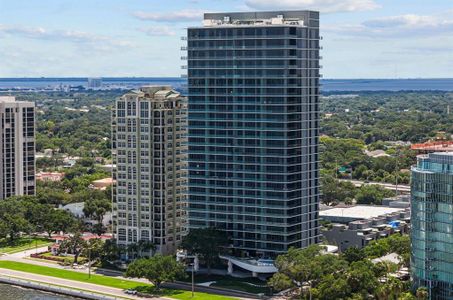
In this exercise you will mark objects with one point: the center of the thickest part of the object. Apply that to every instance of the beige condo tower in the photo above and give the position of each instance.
(17, 147)
(150, 152)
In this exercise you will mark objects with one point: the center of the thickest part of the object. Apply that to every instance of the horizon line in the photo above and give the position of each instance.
(177, 77)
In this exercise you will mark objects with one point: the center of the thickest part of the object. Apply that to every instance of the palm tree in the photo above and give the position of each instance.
(145, 246)
(132, 250)
(422, 293)
(74, 245)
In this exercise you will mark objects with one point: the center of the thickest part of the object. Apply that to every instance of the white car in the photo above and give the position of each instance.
(130, 292)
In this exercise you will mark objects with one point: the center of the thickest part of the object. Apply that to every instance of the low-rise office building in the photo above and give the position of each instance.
(400, 201)
(357, 226)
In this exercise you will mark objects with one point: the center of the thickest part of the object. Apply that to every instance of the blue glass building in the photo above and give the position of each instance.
(253, 84)
(432, 224)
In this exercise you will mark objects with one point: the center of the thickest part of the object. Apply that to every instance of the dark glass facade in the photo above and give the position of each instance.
(253, 132)
(432, 224)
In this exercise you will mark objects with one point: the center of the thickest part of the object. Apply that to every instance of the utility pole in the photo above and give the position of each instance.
(397, 172)
(336, 168)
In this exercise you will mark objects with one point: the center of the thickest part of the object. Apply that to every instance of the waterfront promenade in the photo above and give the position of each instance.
(21, 257)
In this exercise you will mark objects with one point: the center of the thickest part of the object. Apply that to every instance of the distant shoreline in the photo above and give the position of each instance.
(327, 85)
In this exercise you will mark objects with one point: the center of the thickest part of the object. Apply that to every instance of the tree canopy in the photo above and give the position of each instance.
(208, 243)
(157, 269)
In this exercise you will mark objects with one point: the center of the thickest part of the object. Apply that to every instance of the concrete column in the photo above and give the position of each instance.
(230, 267)
(196, 264)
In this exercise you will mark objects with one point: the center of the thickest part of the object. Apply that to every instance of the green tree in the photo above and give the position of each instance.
(111, 251)
(377, 248)
(407, 296)
(207, 243)
(56, 220)
(361, 278)
(334, 191)
(390, 290)
(74, 245)
(138, 249)
(353, 254)
(145, 247)
(13, 218)
(96, 208)
(93, 249)
(422, 293)
(372, 194)
(298, 267)
(332, 287)
(157, 269)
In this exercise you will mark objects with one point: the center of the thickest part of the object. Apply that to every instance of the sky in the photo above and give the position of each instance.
(110, 38)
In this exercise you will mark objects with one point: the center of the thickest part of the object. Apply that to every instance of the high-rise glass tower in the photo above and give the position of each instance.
(253, 84)
(432, 224)
(17, 147)
(150, 152)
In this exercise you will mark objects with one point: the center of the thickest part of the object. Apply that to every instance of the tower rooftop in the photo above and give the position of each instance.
(265, 18)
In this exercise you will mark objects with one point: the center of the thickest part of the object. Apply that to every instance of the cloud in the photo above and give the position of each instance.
(158, 31)
(187, 15)
(399, 26)
(326, 6)
(415, 23)
(427, 50)
(77, 37)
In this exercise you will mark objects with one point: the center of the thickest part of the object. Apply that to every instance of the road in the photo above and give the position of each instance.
(71, 284)
(401, 187)
(22, 257)
(27, 253)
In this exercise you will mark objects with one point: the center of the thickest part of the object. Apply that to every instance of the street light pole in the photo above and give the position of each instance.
(193, 280)
(89, 263)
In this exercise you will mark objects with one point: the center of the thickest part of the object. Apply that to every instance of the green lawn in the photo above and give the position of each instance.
(70, 275)
(256, 285)
(183, 295)
(104, 280)
(22, 244)
(235, 284)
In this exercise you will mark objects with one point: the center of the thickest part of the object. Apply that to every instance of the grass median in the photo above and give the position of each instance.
(104, 280)
(22, 244)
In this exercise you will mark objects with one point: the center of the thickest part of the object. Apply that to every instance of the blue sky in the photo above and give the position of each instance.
(362, 38)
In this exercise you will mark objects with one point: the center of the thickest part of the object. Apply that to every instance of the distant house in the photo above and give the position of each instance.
(108, 167)
(69, 162)
(85, 236)
(102, 184)
(377, 153)
(76, 209)
(49, 176)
